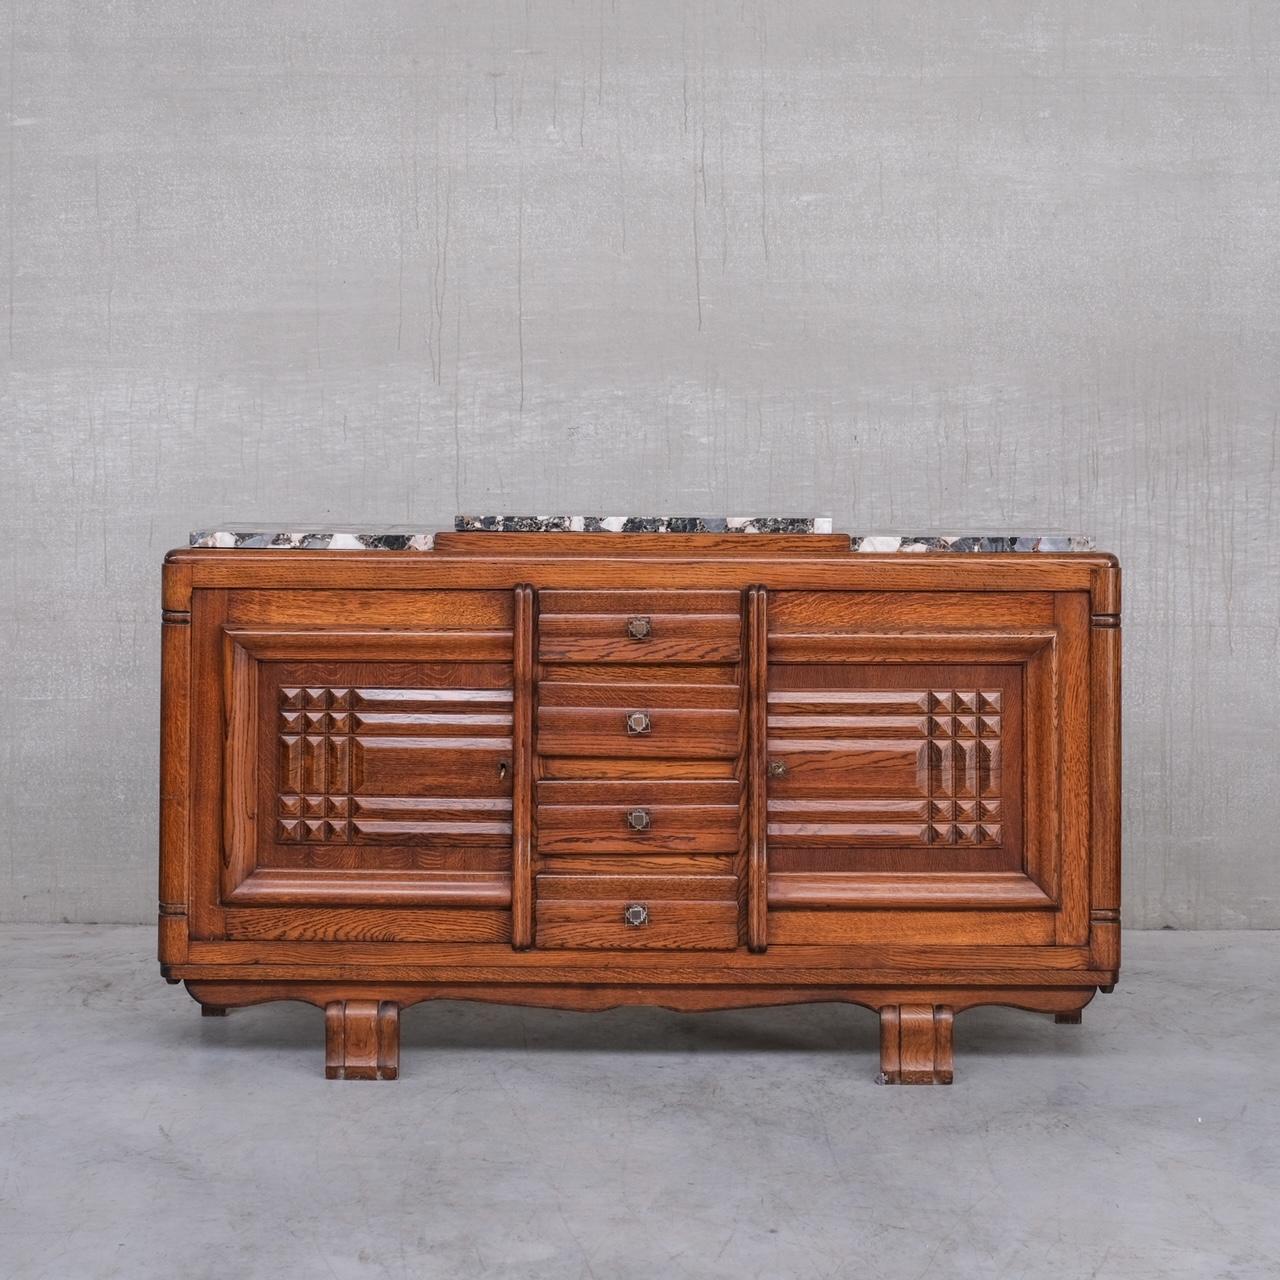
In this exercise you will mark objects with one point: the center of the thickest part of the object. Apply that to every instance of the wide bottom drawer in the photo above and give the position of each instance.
(620, 912)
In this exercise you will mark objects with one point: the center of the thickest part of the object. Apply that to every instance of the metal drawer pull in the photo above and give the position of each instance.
(639, 628)
(638, 722)
(639, 819)
(777, 768)
(635, 915)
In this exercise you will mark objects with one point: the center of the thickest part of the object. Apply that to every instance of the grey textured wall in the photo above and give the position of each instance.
(913, 264)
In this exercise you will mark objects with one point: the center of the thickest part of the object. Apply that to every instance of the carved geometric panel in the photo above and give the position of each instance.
(886, 767)
(964, 766)
(315, 764)
(375, 765)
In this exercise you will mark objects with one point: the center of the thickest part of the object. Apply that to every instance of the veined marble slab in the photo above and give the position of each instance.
(971, 542)
(413, 538)
(642, 524)
(277, 538)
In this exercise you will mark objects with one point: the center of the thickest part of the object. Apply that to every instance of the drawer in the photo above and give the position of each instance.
(682, 913)
(688, 821)
(662, 638)
(642, 730)
(636, 827)
(639, 626)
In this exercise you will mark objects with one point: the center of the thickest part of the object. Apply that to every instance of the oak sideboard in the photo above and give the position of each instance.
(588, 769)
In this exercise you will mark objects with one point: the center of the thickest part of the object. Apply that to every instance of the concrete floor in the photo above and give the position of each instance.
(139, 1140)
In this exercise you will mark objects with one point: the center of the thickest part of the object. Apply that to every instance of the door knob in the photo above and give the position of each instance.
(777, 768)
(638, 722)
(639, 819)
(639, 628)
(635, 915)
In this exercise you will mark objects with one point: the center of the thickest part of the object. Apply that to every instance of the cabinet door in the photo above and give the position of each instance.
(927, 756)
(366, 764)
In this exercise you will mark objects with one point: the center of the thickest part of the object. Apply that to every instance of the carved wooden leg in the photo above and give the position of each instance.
(213, 1011)
(1073, 1018)
(915, 1044)
(361, 1040)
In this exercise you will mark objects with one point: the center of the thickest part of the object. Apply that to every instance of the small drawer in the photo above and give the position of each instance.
(637, 828)
(639, 731)
(639, 626)
(658, 638)
(637, 913)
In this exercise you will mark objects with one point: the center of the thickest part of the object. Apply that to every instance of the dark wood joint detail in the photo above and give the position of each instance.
(916, 1044)
(362, 1040)
(173, 909)
(757, 677)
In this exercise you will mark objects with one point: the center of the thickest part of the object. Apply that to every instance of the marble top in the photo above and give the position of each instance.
(277, 537)
(642, 524)
(268, 536)
(971, 542)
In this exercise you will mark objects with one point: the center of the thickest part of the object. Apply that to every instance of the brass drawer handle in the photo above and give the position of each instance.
(635, 915)
(639, 628)
(639, 820)
(777, 768)
(638, 722)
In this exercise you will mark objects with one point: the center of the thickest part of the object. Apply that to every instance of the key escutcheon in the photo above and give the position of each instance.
(639, 819)
(638, 722)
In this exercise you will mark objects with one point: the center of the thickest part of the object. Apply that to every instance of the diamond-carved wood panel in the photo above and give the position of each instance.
(964, 766)
(405, 765)
(378, 781)
(878, 758)
(315, 764)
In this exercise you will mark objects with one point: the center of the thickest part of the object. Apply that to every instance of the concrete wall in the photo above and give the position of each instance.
(912, 264)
